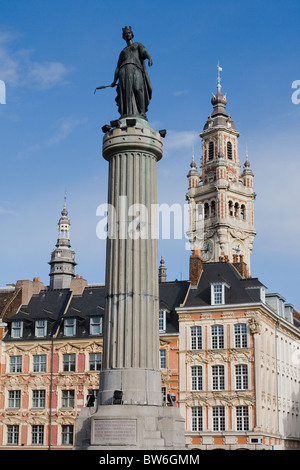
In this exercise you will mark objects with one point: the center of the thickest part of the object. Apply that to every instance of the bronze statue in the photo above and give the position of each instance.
(134, 88)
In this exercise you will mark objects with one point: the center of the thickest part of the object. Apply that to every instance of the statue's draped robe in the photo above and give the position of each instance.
(134, 89)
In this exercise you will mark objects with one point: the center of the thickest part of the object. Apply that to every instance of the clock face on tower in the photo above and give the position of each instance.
(238, 248)
(206, 250)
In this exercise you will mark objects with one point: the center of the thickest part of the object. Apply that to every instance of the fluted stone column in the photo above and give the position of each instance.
(131, 333)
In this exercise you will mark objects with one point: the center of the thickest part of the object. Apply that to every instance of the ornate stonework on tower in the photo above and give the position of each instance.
(220, 195)
(62, 257)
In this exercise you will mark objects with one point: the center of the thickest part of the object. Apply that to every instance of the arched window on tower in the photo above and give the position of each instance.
(229, 150)
(243, 212)
(213, 208)
(230, 208)
(211, 148)
(206, 210)
(236, 209)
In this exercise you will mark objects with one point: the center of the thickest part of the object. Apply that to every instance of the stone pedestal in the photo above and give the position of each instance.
(130, 427)
(130, 331)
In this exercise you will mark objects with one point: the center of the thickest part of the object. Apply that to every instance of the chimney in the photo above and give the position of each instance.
(196, 268)
(241, 266)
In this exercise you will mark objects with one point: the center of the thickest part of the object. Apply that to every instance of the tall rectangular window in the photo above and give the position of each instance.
(38, 398)
(242, 418)
(162, 321)
(39, 363)
(16, 329)
(67, 434)
(69, 362)
(40, 328)
(217, 337)
(37, 434)
(218, 378)
(68, 397)
(196, 337)
(241, 377)
(14, 399)
(13, 434)
(196, 375)
(240, 335)
(218, 415)
(15, 364)
(95, 362)
(217, 294)
(70, 326)
(96, 326)
(197, 423)
(162, 359)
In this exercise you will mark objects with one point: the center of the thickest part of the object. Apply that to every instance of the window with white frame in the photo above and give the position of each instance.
(67, 398)
(38, 398)
(242, 418)
(196, 378)
(13, 434)
(162, 359)
(218, 416)
(197, 422)
(241, 377)
(15, 364)
(218, 293)
(218, 377)
(16, 329)
(69, 362)
(14, 399)
(196, 337)
(217, 337)
(70, 326)
(95, 362)
(37, 434)
(67, 431)
(240, 335)
(162, 320)
(96, 325)
(40, 328)
(39, 363)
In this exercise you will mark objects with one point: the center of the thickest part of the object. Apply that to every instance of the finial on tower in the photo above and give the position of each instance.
(219, 75)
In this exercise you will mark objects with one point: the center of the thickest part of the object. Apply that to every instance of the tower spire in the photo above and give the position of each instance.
(62, 257)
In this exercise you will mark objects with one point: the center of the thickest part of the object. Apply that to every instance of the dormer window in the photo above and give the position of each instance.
(70, 327)
(95, 325)
(162, 321)
(40, 328)
(17, 329)
(218, 293)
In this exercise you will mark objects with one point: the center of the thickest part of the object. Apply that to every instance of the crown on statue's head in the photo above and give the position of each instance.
(127, 29)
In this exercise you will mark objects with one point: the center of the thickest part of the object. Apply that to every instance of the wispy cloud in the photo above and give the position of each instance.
(180, 139)
(62, 129)
(180, 92)
(17, 68)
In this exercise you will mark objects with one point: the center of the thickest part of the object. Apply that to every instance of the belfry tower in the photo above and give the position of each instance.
(62, 257)
(221, 196)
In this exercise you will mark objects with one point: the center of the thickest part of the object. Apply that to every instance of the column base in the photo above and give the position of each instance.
(139, 386)
(130, 427)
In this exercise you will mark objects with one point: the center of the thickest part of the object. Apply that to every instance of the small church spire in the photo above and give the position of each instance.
(62, 257)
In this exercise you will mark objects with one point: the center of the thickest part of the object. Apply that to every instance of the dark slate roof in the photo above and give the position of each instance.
(171, 296)
(52, 305)
(239, 290)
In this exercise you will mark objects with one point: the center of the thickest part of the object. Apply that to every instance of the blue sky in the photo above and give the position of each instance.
(54, 54)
